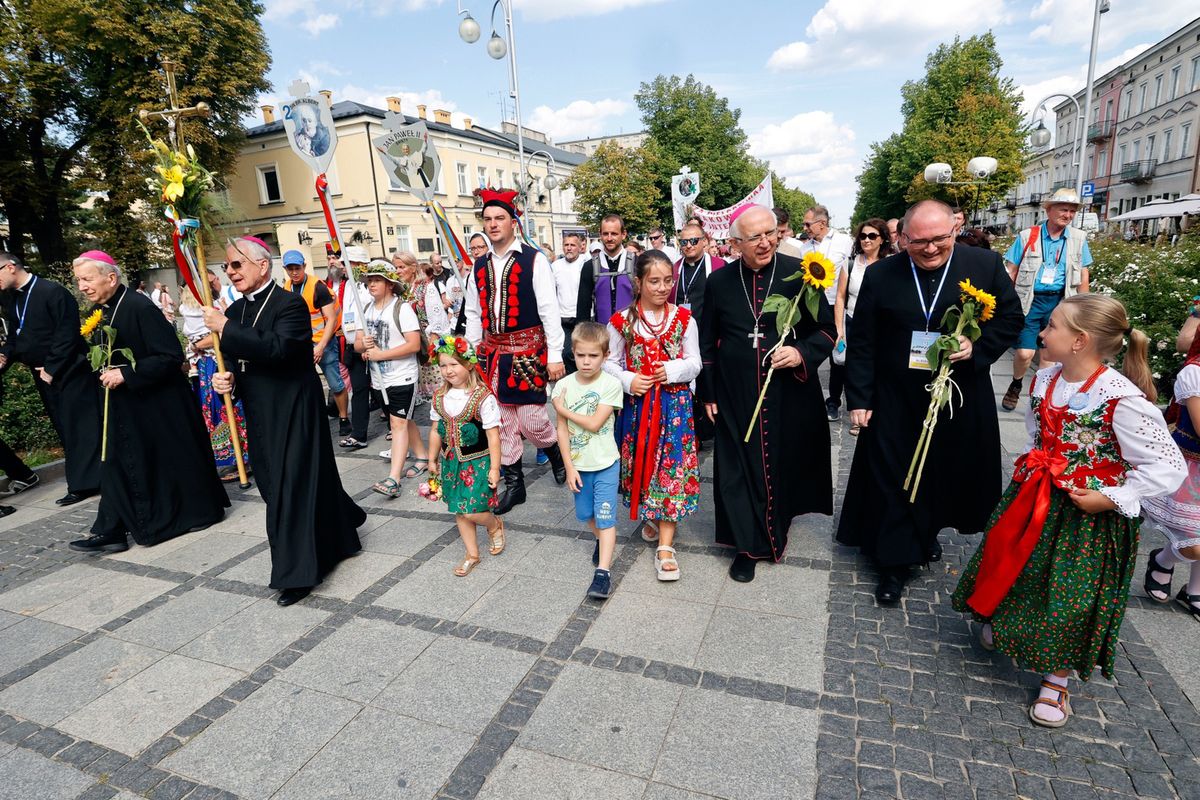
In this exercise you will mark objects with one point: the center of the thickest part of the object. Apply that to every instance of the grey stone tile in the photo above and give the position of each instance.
(718, 739)
(119, 594)
(250, 637)
(137, 713)
(529, 606)
(137, 554)
(456, 683)
(30, 639)
(701, 577)
(404, 537)
(44, 593)
(255, 570)
(528, 775)
(8, 619)
(810, 535)
(247, 519)
(27, 776)
(656, 628)
(766, 647)
(779, 589)
(183, 618)
(1172, 636)
(607, 719)
(359, 659)
(517, 545)
(76, 680)
(557, 558)
(378, 755)
(660, 791)
(433, 589)
(206, 552)
(355, 574)
(255, 748)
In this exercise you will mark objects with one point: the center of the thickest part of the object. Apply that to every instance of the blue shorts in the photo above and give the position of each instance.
(1037, 318)
(598, 498)
(331, 366)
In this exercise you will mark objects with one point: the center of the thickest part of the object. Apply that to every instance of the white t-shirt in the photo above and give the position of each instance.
(566, 281)
(456, 400)
(381, 324)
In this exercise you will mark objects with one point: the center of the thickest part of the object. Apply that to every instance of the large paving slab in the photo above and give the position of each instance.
(251, 636)
(181, 619)
(29, 639)
(27, 776)
(529, 775)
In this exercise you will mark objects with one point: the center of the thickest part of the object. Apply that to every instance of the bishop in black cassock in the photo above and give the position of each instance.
(42, 318)
(159, 479)
(961, 482)
(784, 470)
(266, 338)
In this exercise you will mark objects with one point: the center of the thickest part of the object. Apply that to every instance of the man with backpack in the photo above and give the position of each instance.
(606, 283)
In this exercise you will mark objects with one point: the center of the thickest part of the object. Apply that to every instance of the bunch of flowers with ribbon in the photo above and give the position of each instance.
(974, 308)
(456, 346)
(100, 356)
(431, 489)
(817, 273)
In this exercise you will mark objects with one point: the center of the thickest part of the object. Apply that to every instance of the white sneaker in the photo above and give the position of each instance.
(386, 454)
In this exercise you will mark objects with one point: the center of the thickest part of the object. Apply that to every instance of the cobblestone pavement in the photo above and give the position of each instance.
(169, 672)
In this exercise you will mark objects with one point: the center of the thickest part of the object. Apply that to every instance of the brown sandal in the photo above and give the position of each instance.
(497, 538)
(1063, 704)
(468, 564)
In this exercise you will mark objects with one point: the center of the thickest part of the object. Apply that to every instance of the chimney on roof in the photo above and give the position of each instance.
(441, 116)
(467, 122)
(421, 111)
(393, 104)
(328, 95)
(268, 114)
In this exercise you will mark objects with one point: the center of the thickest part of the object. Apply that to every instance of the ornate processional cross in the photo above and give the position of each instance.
(174, 114)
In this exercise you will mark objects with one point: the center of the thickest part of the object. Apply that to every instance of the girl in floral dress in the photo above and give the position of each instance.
(1051, 578)
(465, 439)
(654, 350)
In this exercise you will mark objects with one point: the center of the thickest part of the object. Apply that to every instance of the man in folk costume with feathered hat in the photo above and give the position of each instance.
(513, 320)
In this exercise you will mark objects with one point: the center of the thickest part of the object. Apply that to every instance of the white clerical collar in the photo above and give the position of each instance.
(24, 283)
(265, 287)
(620, 255)
(514, 245)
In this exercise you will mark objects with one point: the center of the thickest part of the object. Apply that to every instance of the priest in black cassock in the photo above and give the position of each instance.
(158, 479)
(784, 470)
(266, 337)
(43, 333)
(902, 297)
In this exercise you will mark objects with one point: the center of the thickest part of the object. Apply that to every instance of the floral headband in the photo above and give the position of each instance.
(456, 346)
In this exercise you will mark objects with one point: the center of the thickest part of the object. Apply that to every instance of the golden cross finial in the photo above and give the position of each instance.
(173, 114)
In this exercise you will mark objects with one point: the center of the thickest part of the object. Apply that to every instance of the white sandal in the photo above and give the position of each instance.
(649, 531)
(666, 575)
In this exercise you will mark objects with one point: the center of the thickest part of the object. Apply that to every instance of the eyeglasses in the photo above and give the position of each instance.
(691, 241)
(754, 240)
(871, 236)
(237, 265)
(936, 241)
(815, 222)
(656, 237)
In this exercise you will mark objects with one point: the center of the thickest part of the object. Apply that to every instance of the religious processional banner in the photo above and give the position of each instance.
(716, 223)
(409, 156)
(308, 122)
(684, 188)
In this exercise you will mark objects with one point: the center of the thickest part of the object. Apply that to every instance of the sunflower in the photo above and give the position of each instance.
(818, 271)
(987, 302)
(91, 323)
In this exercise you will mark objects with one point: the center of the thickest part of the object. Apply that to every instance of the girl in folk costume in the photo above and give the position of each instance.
(465, 439)
(1051, 578)
(1177, 515)
(654, 349)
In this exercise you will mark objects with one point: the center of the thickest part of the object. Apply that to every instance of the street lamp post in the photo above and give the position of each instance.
(980, 168)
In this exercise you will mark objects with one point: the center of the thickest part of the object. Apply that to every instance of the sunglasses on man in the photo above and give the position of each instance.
(691, 241)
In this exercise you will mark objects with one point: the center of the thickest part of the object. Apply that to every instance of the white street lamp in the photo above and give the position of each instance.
(468, 29)
(980, 169)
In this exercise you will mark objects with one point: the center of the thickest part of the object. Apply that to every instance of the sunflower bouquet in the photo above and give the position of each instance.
(974, 308)
(817, 273)
(100, 357)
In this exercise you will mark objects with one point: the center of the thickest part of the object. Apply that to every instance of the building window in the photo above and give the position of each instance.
(1120, 158)
(1101, 163)
(1195, 74)
(1167, 144)
(1158, 87)
(1150, 147)
(402, 241)
(461, 171)
(481, 175)
(1108, 110)
(1091, 163)
(1185, 140)
(268, 185)
(1142, 91)
(1173, 86)
(424, 245)
(499, 178)
(1127, 108)
(1136, 150)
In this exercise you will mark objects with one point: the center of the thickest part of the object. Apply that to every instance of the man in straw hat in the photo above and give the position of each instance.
(1047, 262)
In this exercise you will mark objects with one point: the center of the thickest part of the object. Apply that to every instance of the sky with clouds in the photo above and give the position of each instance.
(816, 82)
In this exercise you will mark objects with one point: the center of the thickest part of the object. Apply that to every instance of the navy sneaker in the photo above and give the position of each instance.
(596, 555)
(601, 586)
(542, 458)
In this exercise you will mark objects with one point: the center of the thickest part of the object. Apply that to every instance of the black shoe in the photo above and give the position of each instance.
(513, 492)
(890, 587)
(18, 485)
(1009, 401)
(1151, 585)
(833, 411)
(601, 586)
(6, 510)
(595, 554)
(344, 428)
(331, 406)
(935, 552)
(742, 568)
(100, 544)
(290, 596)
(71, 498)
(556, 463)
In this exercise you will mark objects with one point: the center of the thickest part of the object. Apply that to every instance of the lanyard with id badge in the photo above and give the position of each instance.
(918, 348)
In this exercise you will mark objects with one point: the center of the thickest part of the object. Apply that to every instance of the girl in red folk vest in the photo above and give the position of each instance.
(1050, 580)
(654, 349)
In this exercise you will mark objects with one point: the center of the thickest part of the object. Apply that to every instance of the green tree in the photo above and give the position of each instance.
(962, 108)
(75, 74)
(618, 180)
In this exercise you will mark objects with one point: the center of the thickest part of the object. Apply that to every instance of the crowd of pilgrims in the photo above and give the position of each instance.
(646, 359)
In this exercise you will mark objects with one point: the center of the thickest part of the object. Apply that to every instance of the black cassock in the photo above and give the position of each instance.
(159, 479)
(311, 522)
(784, 470)
(47, 316)
(961, 482)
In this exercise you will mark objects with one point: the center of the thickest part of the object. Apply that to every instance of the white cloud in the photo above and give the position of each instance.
(863, 33)
(814, 152)
(321, 22)
(1073, 82)
(1070, 21)
(577, 119)
(543, 10)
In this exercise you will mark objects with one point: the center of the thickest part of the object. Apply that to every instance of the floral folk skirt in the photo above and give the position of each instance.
(674, 486)
(464, 485)
(212, 407)
(1066, 607)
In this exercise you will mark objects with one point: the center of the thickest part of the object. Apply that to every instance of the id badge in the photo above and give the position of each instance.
(919, 347)
(1047, 275)
(687, 306)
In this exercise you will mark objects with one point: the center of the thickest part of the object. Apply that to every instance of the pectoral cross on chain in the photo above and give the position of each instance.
(242, 365)
(755, 335)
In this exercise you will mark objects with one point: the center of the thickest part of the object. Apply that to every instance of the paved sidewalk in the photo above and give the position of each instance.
(169, 672)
